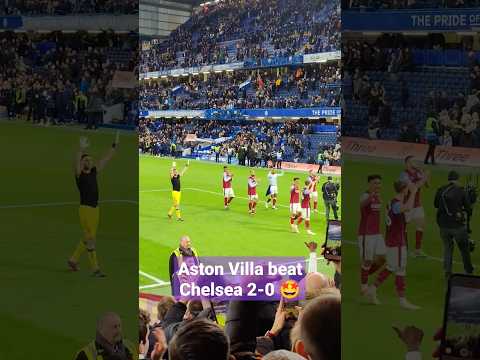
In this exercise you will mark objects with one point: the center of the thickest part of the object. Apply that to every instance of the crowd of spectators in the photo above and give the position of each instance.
(408, 4)
(456, 115)
(308, 86)
(307, 329)
(252, 143)
(67, 7)
(262, 29)
(55, 78)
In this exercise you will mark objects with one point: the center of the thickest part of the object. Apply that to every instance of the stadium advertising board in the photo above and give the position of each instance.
(11, 22)
(211, 114)
(322, 57)
(398, 150)
(331, 170)
(412, 20)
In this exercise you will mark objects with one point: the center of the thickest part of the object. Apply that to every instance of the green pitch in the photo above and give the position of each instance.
(370, 335)
(40, 299)
(213, 230)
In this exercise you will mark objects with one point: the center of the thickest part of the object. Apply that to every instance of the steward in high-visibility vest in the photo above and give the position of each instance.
(109, 343)
(95, 351)
(179, 255)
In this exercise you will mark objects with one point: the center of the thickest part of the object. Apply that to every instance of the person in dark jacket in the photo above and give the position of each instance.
(452, 204)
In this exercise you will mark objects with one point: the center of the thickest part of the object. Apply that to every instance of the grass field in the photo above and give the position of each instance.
(46, 311)
(213, 230)
(371, 336)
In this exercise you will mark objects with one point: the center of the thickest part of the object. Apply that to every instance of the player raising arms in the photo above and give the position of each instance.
(314, 193)
(370, 239)
(305, 206)
(252, 193)
(272, 191)
(86, 179)
(396, 243)
(176, 190)
(295, 209)
(228, 193)
(416, 215)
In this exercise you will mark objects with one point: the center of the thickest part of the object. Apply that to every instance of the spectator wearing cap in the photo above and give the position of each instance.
(453, 204)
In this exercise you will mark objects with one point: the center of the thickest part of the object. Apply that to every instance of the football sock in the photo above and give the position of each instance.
(364, 275)
(400, 285)
(299, 221)
(250, 205)
(274, 201)
(373, 268)
(225, 201)
(382, 277)
(229, 200)
(170, 212)
(418, 239)
(307, 224)
(92, 257)
(315, 205)
(292, 220)
(80, 249)
(178, 213)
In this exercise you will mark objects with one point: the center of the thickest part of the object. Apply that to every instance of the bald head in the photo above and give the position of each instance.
(185, 242)
(315, 282)
(109, 326)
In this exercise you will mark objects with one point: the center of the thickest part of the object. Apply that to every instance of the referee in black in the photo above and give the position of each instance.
(452, 204)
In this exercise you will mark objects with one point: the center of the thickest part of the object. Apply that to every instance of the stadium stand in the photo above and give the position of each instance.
(395, 90)
(63, 78)
(408, 4)
(231, 30)
(302, 141)
(48, 7)
(314, 85)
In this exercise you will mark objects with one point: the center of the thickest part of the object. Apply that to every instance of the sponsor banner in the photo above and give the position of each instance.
(235, 114)
(322, 57)
(240, 278)
(11, 22)
(411, 20)
(329, 170)
(399, 150)
(191, 137)
(124, 80)
(304, 112)
(172, 114)
(191, 70)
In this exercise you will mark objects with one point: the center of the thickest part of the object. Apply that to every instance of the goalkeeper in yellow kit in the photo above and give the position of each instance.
(176, 191)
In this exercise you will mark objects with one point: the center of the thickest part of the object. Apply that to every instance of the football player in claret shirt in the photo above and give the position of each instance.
(314, 193)
(370, 239)
(419, 178)
(396, 243)
(305, 206)
(228, 193)
(252, 193)
(295, 209)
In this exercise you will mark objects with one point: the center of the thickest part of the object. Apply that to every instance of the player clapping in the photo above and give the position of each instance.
(295, 208)
(396, 244)
(418, 177)
(370, 239)
(305, 206)
(314, 193)
(252, 193)
(228, 193)
(272, 191)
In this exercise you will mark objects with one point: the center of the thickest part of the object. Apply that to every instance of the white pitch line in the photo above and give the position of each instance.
(153, 278)
(34, 205)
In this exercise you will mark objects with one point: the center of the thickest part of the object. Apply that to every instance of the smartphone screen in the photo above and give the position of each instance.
(461, 328)
(333, 240)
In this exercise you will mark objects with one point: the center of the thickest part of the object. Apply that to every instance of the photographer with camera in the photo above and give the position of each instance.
(453, 205)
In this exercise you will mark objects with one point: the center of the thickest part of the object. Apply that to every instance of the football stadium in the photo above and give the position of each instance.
(56, 86)
(241, 102)
(409, 90)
